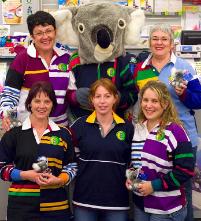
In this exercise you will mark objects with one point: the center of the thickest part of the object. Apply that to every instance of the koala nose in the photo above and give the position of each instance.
(103, 38)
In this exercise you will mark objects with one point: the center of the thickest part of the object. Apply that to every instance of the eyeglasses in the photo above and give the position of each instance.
(163, 39)
(47, 32)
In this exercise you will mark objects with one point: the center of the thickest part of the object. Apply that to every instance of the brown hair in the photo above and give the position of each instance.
(170, 113)
(40, 18)
(108, 85)
(38, 87)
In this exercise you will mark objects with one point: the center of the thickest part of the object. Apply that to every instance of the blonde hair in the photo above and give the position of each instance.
(169, 113)
(108, 85)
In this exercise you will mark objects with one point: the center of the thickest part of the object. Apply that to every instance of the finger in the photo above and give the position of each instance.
(128, 181)
(6, 125)
(185, 83)
(43, 178)
(140, 186)
(46, 175)
(183, 87)
(40, 181)
(179, 91)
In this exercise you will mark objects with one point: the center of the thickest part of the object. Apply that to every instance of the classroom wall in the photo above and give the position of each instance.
(52, 5)
(34, 4)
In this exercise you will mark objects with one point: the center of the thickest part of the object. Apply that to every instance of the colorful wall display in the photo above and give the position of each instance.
(12, 12)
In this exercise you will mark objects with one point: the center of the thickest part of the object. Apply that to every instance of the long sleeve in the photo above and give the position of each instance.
(14, 80)
(191, 97)
(7, 155)
(69, 166)
(128, 90)
(75, 130)
(183, 163)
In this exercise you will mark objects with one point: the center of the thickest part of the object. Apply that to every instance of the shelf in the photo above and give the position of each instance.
(157, 16)
(5, 53)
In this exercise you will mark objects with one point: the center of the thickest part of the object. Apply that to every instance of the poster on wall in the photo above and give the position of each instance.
(146, 5)
(169, 7)
(12, 12)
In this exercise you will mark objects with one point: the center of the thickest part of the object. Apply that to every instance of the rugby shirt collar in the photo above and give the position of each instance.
(31, 51)
(148, 60)
(51, 125)
(92, 118)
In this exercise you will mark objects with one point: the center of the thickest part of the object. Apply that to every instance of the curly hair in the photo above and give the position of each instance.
(169, 113)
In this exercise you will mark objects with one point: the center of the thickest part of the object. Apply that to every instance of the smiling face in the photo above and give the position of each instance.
(41, 106)
(44, 38)
(151, 106)
(103, 101)
(160, 44)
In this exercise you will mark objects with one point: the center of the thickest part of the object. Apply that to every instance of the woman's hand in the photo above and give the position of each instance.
(30, 175)
(6, 123)
(181, 88)
(47, 179)
(128, 184)
(145, 188)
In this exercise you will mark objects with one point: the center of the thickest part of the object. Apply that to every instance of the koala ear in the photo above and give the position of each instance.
(132, 32)
(65, 32)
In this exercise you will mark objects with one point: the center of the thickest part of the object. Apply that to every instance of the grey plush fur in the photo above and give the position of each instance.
(78, 26)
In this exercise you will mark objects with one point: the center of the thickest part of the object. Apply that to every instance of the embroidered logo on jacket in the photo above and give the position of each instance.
(63, 67)
(121, 135)
(111, 72)
(54, 140)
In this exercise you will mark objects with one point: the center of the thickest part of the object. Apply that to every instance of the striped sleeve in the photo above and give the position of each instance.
(183, 161)
(69, 166)
(14, 80)
(74, 61)
(71, 170)
(7, 155)
(137, 146)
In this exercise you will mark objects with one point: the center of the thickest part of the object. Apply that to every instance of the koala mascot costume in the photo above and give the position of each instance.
(100, 31)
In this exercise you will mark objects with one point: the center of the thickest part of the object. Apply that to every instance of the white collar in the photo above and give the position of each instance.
(31, 51)
(145, 125)
(173, 59)
(51, 125)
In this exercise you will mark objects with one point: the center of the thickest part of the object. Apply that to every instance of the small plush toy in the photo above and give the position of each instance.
(41, 165)
(177, 77)
(100, 31)
(136, 176)
(12, 114)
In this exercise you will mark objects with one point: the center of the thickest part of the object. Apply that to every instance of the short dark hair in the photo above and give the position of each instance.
(40, 18)
(38, 87)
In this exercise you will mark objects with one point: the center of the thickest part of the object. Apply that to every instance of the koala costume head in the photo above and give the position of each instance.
(99, 30)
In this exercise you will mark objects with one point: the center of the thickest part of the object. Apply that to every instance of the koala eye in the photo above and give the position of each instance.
(121, 23)
(81, 27)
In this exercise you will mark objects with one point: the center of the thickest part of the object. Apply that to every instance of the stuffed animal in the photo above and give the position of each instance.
(136, 176)
(41, 165)
(177, 77)
(100, 31)
(12, 114)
